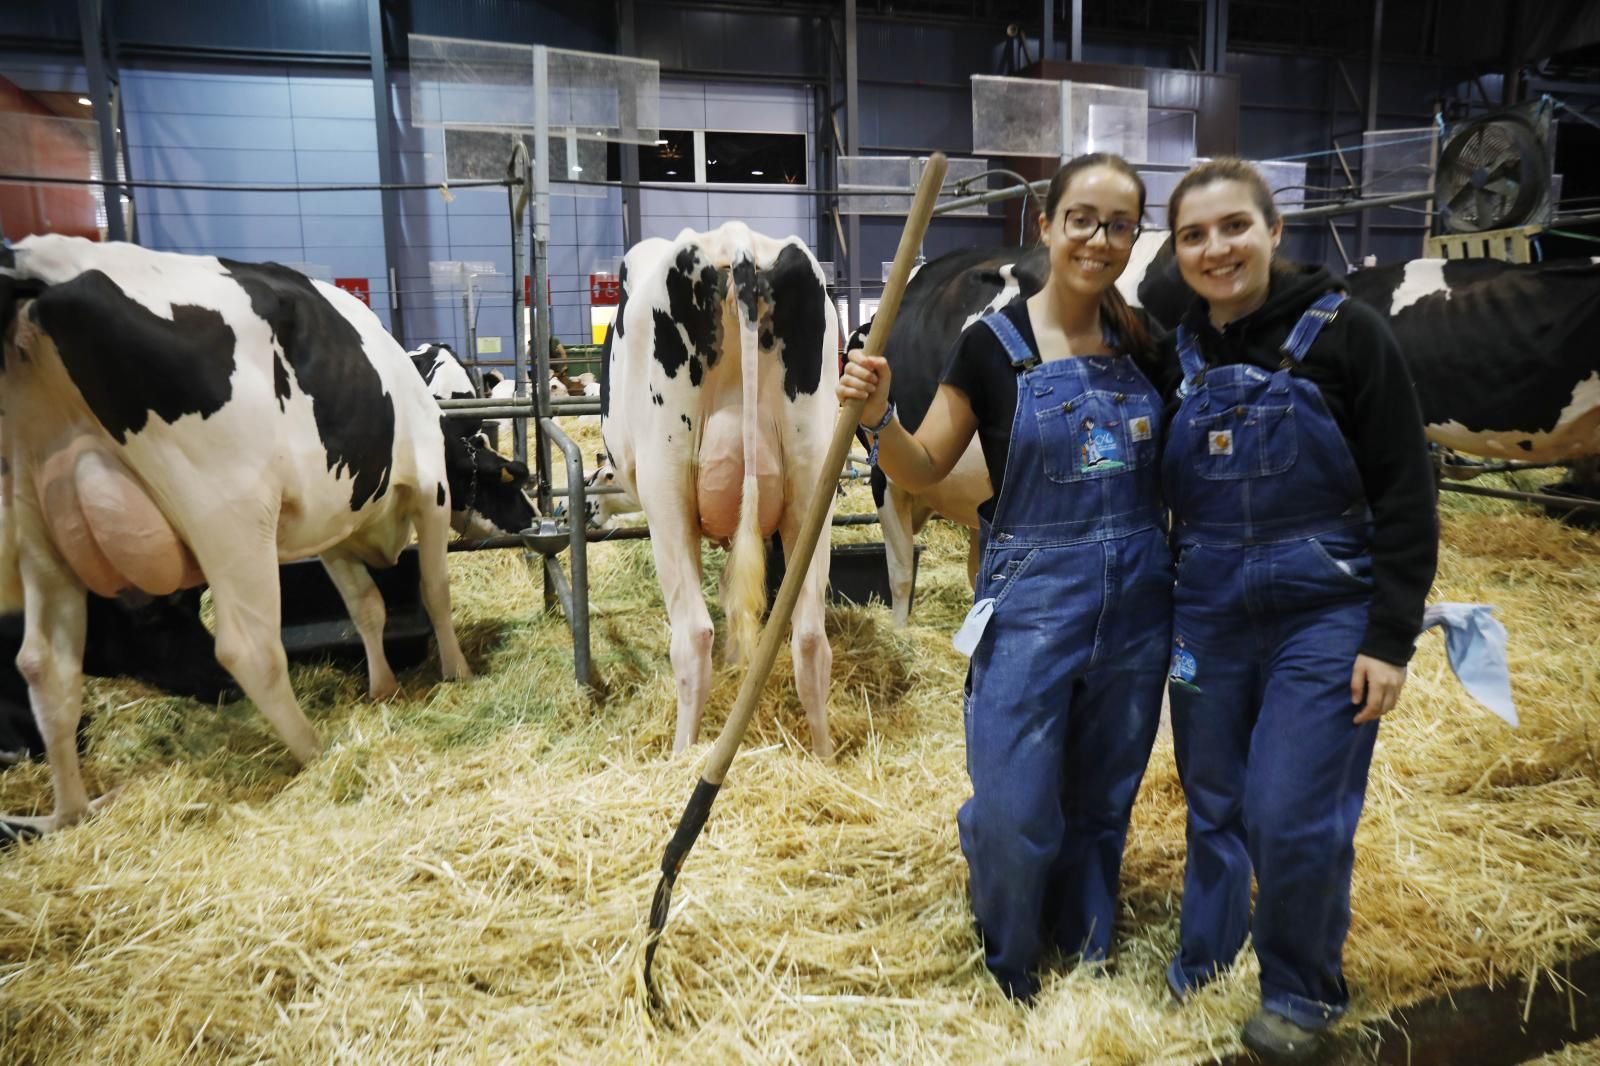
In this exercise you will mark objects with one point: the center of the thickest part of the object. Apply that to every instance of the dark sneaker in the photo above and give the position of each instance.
(1277, 1039)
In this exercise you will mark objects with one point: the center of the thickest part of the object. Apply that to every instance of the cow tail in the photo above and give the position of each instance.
(747, 584)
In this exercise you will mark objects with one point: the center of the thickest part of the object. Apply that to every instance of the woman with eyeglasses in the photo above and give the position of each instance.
(1070, 630)
(1303, 505)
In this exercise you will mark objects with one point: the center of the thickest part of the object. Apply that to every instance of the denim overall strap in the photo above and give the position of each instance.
(1190, 359)
(1305, 331)
(1022, 357)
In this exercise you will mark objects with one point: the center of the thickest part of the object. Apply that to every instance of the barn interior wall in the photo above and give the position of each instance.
(189, 119)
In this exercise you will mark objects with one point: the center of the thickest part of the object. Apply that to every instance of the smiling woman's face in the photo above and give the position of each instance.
(1224, 247)
(1090, 265)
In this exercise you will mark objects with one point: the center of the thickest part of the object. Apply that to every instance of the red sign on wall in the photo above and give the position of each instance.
(360, 288)
(527, 290)
(605, 290)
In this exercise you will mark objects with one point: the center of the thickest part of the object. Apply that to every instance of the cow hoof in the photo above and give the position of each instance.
(382, 693)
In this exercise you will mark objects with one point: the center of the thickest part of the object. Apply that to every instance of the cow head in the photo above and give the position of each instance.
(600, 508)
(488, 496)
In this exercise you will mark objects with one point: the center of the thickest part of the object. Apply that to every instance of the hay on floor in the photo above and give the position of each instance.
(464, 876)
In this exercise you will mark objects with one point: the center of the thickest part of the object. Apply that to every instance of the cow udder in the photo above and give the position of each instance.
(719, 480)
(106, 526)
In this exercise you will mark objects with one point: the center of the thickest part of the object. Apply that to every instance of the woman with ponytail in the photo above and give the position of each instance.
(1071, 626)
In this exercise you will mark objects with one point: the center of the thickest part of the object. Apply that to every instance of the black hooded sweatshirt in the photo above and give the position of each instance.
(1356, 364)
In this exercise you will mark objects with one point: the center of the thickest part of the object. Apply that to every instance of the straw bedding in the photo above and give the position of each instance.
(464, 876)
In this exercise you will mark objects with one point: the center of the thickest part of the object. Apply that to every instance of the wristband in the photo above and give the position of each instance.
(883, 423)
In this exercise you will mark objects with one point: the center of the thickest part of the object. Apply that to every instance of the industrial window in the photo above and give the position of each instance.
(755, 158)
(670, 159)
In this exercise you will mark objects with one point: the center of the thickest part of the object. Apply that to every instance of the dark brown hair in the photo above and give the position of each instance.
(1223, 168)
(1114, 310)
(1229, 168)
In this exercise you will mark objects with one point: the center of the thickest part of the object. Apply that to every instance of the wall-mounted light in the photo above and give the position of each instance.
(757, 173)
(85, 101)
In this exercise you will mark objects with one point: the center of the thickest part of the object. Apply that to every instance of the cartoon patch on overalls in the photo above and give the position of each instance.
(1182, 671)
(1097, 447)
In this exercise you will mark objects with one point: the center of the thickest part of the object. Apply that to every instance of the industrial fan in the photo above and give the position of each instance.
(1495, 172)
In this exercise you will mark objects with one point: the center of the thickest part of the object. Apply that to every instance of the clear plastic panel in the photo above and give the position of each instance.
(476, 155)
(1170, 137)
(1105, 118)
(1016, 116)
(1400, 160)
(1287, 182)
(604, 97)
(890, 175)
(1158, 186)
(471, 84)
(958, 170)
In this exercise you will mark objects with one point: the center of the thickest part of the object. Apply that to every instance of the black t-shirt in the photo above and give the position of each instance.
(1356, 365)
(980, 368)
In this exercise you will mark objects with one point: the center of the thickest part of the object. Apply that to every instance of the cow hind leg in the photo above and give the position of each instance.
(245, 596)
(899, 548)
(675, 545)
(433, 538)
(51, 662)
(808, 639)
(365, 604)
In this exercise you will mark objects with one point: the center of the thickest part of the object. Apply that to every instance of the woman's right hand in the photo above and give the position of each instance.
(866, 377)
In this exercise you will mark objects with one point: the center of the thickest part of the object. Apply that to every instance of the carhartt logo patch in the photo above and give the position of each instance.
(1139, 428)
(1221, 441)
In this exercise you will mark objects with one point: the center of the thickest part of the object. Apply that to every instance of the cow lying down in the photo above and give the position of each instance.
(174, 419)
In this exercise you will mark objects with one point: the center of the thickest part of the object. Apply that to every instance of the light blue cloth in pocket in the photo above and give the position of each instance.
(1475, 643)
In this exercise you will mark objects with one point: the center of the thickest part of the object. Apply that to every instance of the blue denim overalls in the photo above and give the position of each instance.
(1066, 677)
(1270, 609)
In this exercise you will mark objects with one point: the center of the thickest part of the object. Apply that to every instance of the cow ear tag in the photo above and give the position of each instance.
(506, 476)
(1181, 673)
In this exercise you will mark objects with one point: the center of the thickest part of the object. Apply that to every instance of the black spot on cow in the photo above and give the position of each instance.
(605, 366)
(158, 366)
(767, 339)
(799, 317)
(438, 499)
(622, 300)
(1455, 342)
(1525, 445)
(656, 398)
(687, 424)
(280, 380)
(695, 290)
(748, 285)
(669, 348)
(355, 416)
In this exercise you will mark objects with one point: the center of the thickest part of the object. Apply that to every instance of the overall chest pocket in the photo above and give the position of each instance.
(1096, 434)
(1244, 441)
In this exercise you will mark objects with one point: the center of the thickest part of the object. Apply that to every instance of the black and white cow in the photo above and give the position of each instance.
(160, 642)
(1503, 356)
(718, 405)
(488, 493)
(172, 419)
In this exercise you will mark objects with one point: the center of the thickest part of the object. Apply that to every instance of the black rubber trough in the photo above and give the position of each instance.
(317, 626)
